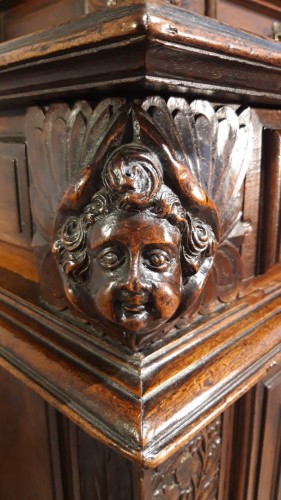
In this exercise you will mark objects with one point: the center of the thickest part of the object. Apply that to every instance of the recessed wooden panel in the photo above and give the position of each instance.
(34, 15)
(252, 465)
(103, 472)
(270, 467)
(192, 5)
(15, 223)
(9, 218)
(267, 7)
(271, 200)
(244, 18)
(25, 461)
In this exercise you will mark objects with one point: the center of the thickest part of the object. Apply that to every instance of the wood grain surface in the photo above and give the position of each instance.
(145, 47)
(162, 398)
(198, 407)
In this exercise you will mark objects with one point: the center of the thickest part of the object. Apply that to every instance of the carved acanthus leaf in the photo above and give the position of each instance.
(63, 141)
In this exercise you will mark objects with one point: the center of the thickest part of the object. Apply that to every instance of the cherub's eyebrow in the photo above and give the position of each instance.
(161, 245)
(106, 244)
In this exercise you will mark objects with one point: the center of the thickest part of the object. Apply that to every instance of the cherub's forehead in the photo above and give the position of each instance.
(133, 229)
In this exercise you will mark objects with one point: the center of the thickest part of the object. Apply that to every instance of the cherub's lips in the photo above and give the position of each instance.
(133, 309)
(133, 298)
(133, 303)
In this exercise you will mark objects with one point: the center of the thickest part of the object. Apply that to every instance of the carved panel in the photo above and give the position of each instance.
(126, 201)
(15, 224)
(270, 235)
(192, 473)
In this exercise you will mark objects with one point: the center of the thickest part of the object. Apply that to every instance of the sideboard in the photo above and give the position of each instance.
(140, 247)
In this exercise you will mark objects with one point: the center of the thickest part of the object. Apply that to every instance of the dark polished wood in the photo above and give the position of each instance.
(140, 251)
(141, 48)
(24, 443)
(81, 375)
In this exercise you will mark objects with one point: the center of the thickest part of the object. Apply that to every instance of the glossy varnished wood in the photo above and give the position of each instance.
(149, 420)
(175, 405)
(147, 47)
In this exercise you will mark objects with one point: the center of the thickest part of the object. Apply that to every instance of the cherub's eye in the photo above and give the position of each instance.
(157, 259)
(110, 258)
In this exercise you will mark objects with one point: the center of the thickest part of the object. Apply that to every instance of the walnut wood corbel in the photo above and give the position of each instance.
(201, 180)
(173, 170)
(168, 387)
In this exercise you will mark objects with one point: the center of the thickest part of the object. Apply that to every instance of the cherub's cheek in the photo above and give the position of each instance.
(166, 299)
(104, 300)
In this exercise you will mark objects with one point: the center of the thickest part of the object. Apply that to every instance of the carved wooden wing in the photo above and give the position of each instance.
(64, 140)
(213, 141)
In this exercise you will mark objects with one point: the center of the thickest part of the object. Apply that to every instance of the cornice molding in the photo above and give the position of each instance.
(143, 47)
(148, 404)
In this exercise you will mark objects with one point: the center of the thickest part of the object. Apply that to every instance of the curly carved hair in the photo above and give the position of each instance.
(132, 181)
(71, 246)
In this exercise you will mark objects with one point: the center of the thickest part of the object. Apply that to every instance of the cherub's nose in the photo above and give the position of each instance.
(132, 282)
(134, 279)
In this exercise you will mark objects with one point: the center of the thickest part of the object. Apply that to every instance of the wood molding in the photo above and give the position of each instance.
(161, 47)
(211, 365)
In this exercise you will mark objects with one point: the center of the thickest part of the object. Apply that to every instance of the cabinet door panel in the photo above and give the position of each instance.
(252, 466)
(245, 18)
(270, 469)
(25, 455)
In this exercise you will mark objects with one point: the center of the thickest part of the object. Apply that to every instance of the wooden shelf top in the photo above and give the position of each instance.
(141, 47)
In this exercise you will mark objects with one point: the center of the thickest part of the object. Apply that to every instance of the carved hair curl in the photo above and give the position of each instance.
(132, 181)
(198, 240)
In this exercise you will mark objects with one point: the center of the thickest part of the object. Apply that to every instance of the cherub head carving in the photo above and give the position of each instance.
(124, 195)
(137, 255)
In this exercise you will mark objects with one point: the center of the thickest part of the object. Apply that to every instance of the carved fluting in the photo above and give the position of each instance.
(126, 229)
(193, 472)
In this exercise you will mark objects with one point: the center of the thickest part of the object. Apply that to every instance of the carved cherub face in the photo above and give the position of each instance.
(129, 258)
(135, 277)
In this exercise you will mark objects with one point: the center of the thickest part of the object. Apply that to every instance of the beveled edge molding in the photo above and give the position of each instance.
(210, 365)
(133, 41)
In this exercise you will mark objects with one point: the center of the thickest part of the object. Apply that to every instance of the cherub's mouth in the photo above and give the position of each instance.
(133, 308)
(133, 298)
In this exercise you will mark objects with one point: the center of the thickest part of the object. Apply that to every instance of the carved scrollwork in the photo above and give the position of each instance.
(193, 472)
(126, 229)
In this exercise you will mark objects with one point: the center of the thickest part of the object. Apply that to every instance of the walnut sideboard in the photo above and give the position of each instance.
(140, 247)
